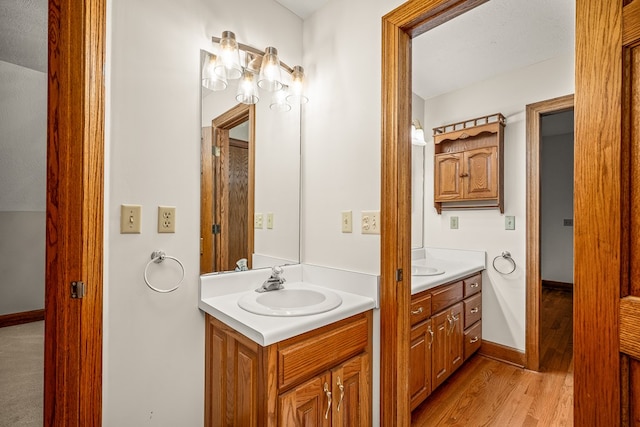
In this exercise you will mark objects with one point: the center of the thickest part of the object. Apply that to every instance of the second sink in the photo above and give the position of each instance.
(422, 270)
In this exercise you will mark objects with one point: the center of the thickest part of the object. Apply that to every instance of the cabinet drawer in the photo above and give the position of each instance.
(420, 308)
(446, 296)
(320, 350)
(472, 339)
(472, 310)
(472, 285)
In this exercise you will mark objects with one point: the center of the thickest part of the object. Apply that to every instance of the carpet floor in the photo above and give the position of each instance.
(21, 375)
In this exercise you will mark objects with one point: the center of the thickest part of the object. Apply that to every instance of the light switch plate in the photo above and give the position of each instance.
(371, 222)
(130, 219)
(509, 222)
(347, 222)
(453, 222)
(270, 220)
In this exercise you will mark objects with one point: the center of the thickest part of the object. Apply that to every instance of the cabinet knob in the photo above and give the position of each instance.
(474, 310)
(473, 340)
(418, 311)
(464, 175)
(474, 285)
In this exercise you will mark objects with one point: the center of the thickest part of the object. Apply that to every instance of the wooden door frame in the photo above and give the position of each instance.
(534, 112)
(75, 212)
(398, 28)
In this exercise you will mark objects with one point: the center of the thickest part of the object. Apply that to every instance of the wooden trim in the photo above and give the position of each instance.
(20, 318)
(598, 199)
(533, 281)
(503, 353)
(75, 212)
(398, 27)
(559, 286)
(630, 23)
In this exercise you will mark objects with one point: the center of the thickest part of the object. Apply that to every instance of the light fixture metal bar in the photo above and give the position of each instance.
(255, 51)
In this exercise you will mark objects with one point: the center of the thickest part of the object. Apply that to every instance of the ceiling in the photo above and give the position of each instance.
(23, 30)
(496, 37)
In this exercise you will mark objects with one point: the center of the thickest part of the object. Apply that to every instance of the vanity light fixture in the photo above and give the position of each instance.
(260, 69)
(417, 133)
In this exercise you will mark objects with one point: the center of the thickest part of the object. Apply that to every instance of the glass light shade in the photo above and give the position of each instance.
(228, 61)
(270, 75)
(248, 89)
(417, 134)
(279, 100)
(296, 90)
(210, 79)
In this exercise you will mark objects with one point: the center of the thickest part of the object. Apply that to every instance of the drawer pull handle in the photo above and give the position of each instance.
(475, 310)
(475, 285)
(431, 333)
(328, 393)
(341, 387)
(418, 311)
(473, 340)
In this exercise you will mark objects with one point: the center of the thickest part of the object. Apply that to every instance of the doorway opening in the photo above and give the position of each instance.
(549, 214)
(227, 190)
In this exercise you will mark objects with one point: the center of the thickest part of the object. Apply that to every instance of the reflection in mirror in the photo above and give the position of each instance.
(250, 186)
(417, 177)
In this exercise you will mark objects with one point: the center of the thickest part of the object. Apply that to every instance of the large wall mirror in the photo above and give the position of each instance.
(250, 186)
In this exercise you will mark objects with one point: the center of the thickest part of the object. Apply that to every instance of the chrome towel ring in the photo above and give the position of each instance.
(506, 255)
(156, 258)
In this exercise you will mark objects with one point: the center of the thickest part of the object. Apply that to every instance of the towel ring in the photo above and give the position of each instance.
(157, 257)
(506, 255)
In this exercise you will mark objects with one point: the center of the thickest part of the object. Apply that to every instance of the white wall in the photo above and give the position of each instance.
(23, 146)
(341, 132)
(503, 312)
(154, 343)
(556, 205)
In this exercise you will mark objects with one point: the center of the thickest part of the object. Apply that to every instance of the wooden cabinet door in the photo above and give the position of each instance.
(307, 405)
(352, 393)
(447, 170)
(480, 173)
(422, 337)
(439, 349)
(456, 337)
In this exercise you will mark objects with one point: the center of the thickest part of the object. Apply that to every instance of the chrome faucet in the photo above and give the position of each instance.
(274, 282)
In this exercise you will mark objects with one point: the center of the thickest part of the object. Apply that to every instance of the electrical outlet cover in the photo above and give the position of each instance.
(166, 219)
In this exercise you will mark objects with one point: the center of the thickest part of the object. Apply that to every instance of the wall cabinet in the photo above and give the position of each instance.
(469, 165)
(446, 329)
(322, 377)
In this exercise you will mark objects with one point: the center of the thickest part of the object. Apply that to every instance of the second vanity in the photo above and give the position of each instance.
(446, 316)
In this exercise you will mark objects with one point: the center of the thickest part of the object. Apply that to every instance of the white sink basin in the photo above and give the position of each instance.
(422, 270)
(290, 302)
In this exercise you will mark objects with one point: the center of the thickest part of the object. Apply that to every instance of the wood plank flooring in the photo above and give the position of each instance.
(485, 392)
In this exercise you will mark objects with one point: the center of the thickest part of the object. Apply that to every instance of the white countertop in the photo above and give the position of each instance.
(266, 330)
(455, 263)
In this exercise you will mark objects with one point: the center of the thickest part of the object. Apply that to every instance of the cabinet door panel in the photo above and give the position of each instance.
(352, 393)
(440, 349)
(481, 174)
(447, 177)
(456, 337)
(307, 404)
(420, 363)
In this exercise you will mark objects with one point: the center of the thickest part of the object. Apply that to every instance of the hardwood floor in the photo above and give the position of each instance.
(485, 392)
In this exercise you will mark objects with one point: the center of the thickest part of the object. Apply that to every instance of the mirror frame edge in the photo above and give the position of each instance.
(398, 28)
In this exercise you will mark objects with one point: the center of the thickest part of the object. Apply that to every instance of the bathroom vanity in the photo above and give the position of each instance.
(289, 368)
(322, 377)
(445, 317)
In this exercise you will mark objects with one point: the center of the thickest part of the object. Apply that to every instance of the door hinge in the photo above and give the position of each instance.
(77, 289)
(399, 275)
(215, 229)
